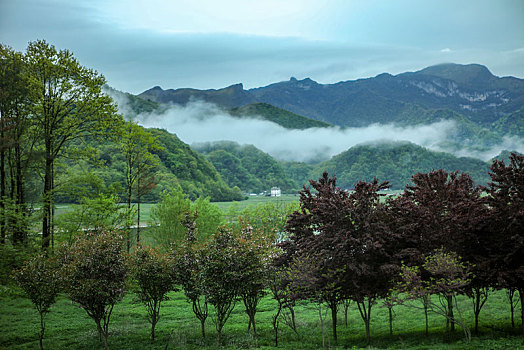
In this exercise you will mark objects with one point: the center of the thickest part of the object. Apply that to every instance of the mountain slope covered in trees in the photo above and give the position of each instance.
(395, 162)
(247, 167)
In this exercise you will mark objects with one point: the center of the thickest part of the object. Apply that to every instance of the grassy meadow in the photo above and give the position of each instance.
(69, 327)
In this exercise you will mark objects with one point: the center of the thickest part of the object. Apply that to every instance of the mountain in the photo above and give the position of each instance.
(130, 105)
(246, 167)
(395, 162)
(424, 96)
(470, 90)
(231, 96)
(276, 115)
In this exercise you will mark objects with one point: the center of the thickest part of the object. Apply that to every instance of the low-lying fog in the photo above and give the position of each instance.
(204, 122)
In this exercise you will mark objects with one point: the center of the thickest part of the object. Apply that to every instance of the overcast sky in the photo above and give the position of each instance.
(138, 44)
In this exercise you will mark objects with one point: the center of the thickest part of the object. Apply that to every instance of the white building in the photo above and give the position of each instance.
(275, 192)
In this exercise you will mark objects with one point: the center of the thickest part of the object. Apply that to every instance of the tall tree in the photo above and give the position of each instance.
(16, 143)
(349, 233)
(70, 105)
(506, 201)
(442, 210)
(136, 145)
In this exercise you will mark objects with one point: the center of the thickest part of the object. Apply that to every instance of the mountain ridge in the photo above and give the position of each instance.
(470, 90)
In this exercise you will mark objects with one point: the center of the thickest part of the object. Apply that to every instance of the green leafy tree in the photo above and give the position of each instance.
(94, 271)
(70, 104)
(39, 278)
(137, 145)
(442, 274)
(95, 214)
(189, 273)
(222, 272)
(17, 141)
(169, 217)
(154, 273)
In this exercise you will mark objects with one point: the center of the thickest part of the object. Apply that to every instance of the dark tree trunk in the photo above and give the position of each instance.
(346, 312)
(20, 229)
(511, 294)
(42, 330)
(275, 323)
(138, 223)
(450, 313)
(333, 305)
(364, 307)
(2, 186)
(425, 301)
(129, 193)
(480, 296)
(47, 194)
(390, 309)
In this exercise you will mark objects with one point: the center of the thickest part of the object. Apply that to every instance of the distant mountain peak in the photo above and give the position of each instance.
(461, 73)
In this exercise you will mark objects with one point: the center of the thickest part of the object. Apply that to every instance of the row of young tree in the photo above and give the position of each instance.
(50, 107)
(442, 237)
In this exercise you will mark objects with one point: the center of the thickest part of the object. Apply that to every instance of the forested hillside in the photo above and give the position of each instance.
(247, 167)
(277, 115)
(396, 163)
(178, 164)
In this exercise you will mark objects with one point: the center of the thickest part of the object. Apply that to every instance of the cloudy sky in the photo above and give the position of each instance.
(203, 44)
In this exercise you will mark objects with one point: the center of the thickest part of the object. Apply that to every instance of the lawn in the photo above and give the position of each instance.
(69, 327)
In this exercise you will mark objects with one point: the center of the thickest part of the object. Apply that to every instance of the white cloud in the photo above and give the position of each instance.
(203, 122)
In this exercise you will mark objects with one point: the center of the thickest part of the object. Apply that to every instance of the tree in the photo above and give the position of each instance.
(221, 275)
(39, 279)
(189, 270)
(443, 210)
(443, 274)
(137, 145)
(95, 214)
(254, 255)
(319, 229)
(16, 140)
(349, 235)
(70, 104)
(506, 202)
(154, 273)
(169, 217)
(94, 273)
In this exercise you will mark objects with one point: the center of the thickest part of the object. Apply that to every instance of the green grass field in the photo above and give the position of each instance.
(145, 208)
(69, 327)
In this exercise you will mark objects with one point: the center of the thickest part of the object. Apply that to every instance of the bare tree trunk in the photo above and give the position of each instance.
(2, 198)
(346, 312)
(511, 294)
(138, 223)
(42, 330)
(480, 296)
(334, 307)
(425, 301)
(46, 220)
(2, 182)
(390, 309)
(365, 312)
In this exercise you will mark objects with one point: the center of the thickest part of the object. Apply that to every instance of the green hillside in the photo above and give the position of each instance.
(396, 163)
(277, 115)
(178, 164)
(247, 167)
